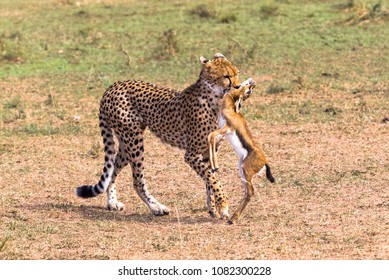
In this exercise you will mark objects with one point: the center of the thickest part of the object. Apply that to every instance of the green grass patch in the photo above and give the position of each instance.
(294, 111)
(302, 45)
(274, 89)
(12, 110)
(11, 104)
(162, 40)
(33, 129)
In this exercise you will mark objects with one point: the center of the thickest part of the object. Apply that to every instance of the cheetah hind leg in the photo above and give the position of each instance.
(112, 167)
(156, 208)
(112, 202)
(121, 161)
(135, 154)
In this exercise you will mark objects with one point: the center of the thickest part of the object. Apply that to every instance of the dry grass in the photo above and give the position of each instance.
(320, 113)
(330, 200)
(363, 13)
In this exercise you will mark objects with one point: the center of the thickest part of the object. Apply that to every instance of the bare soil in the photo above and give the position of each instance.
(330, 199)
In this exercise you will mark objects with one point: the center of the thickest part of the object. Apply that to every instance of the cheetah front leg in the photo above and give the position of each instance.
(213, 185)
(140, 187)
(209, 192)
(210, 201)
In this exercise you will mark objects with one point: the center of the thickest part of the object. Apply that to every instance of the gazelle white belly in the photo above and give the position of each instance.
(237, 145)
(222, 121)
(234, 140)
(239, 150)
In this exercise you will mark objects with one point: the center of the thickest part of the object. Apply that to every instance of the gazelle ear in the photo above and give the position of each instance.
(203, 60)
(238, 105)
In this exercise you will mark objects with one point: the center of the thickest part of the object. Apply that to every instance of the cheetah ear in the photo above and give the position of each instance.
(219, 55)
(203, 60)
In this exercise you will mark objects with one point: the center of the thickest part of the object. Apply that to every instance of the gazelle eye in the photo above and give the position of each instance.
(237, 87)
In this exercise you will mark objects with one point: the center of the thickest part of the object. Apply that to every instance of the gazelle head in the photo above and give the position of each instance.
(246, 88)
(241, 92)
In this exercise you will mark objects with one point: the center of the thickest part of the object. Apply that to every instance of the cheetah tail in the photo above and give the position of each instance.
(87, 191)
(269, 176)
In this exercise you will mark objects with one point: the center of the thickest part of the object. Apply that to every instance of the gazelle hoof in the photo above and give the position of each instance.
(215, 170)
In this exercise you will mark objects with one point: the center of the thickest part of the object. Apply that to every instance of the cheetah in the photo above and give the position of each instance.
(182, 119)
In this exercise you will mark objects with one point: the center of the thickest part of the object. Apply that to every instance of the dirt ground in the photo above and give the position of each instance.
(330, 199)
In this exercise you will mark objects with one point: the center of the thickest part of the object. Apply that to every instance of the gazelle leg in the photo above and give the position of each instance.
(248, 174)
(212, 146)
(212, 151)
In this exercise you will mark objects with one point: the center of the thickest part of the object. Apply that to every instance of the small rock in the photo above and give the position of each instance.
(330, 110)
(330, 75)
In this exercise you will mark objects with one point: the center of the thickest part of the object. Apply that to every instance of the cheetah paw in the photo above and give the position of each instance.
(160, 210)
(224, 213)
(115, 206)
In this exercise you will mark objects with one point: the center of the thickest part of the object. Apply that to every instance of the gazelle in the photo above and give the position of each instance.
(234, 127)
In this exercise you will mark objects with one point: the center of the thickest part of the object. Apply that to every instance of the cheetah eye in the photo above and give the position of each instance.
(237, 87)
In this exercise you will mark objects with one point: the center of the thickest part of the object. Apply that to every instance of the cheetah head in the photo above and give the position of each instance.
(220, 72)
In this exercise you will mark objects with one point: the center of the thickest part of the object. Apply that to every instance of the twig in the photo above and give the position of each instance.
(51, 97)
(240, 46)
(2, 243)
(127, 54)
(89, 78)
(179, 228)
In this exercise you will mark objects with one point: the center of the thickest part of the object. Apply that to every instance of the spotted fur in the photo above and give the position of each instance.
(181, 119)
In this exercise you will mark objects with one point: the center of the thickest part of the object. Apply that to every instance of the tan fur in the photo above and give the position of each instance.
(252, 160)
